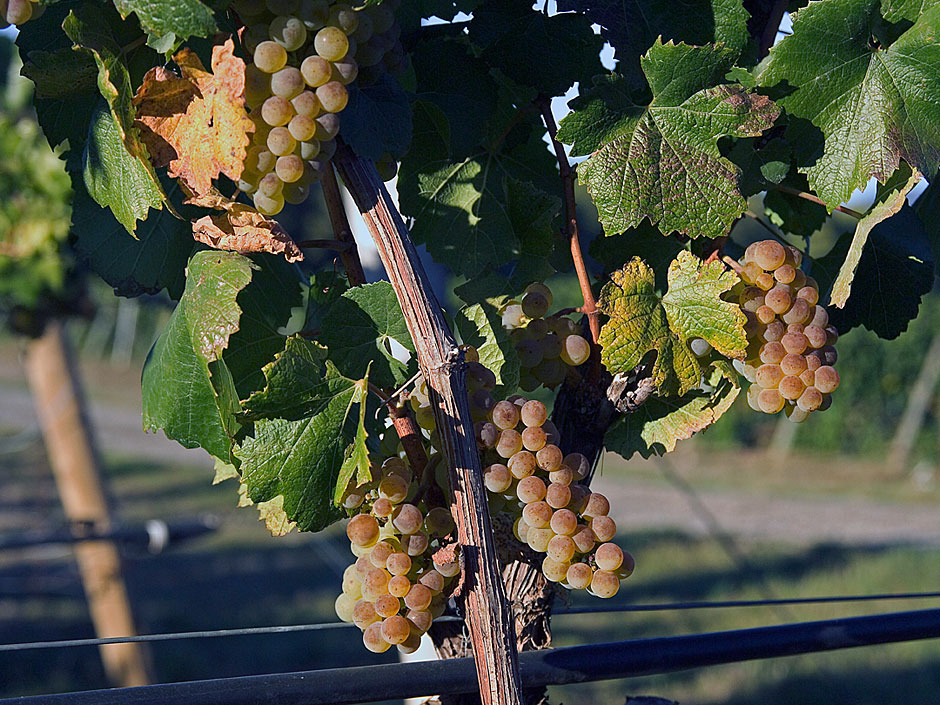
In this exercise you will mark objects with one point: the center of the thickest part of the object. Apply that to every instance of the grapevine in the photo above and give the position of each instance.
(185, 130)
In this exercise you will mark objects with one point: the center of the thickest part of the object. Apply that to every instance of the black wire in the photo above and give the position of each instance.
(662, 607)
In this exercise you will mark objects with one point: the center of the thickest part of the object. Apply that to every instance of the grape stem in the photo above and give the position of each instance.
(589, 308)
(409, 433)
(816, 199)
(349, 256)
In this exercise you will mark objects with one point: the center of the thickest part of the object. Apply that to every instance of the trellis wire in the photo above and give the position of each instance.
(286, 629)
(575, 664)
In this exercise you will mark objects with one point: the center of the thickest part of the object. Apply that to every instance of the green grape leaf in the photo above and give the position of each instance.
(356, 463)
(890, 199)
(641, 321)
(377, 120)
(325, 288)
(463, 206)
(169, 22)
(897, 10)
(481, 326)
(632, 26)
(874, 107)
(895, 271)
(153, 260)
(549, 53)
(358, 330)
(531, 212)
(187, 390)
(655, 427)
(793, 214)
(293, 382)
(661, 161)
(90, 27)
(267, 306)
(301, 459)
(466, 105)
(643, 241)
(114, 178)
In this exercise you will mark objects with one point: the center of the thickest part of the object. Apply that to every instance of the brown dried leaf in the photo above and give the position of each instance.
(196, 123)
(240, 228)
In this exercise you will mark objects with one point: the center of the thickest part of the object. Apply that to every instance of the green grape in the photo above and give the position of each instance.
(333, 96)
(364, 613)
(367, 56)
(608, 556)
(270, 56)
(529, 352)
(289, 168)
(268, 205)
(551, 373)
(345, 70)
(312, 175)
(19, 11)
(564, 522)
(373, 640)
(266, 161)
(597, 506)
(553, 570)
(248, 9)
(605, 584)
(257, 86)
(362, 530)
(253, 36)
(769, 254)
(280, 141)
(530, 489)
(387, 168)
(382, 18)
(316, 71)
(327, 150)
(579, 575)
(309, 149)
(509, 443)
(306, 104)
(246, 186)
(534, 438)
(302, 128)
(407, 518)
(537, 515)
(603, 528)
(534, 413)
(277, 111)
(314, 13)
(331, 43)
(575, 350)
(827, 379)
(327, 127)
(344, 606)
(419, 597)
(343, 17)
(561, 549)
(522, 464)
(289, 32)
(497, 478)
(364, 30)
(287, 83)
(270, 185)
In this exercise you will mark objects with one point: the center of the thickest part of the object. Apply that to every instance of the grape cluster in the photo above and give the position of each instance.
(527, 477)
(304, 54)
(546, 347)
(395, 588)
(791, 354)
(19, 11)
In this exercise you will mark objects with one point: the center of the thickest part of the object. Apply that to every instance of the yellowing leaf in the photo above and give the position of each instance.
(196, 123)
(642, 322)
(240, 228)
(270, 512)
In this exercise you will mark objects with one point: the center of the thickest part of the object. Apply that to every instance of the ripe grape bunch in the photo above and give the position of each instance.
(791, 354)
(527, 477)
(395, 588)
(304, 55)
(546, 347)
(19, 11)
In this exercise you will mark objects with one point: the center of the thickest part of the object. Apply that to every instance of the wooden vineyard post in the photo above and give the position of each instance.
(68, 439)
(487, 610)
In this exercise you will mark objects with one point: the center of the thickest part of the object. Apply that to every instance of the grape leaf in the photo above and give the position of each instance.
(793, 214)
(325, 287)
(467, 104)
(377, 120)
(240, 228)
(875, 107)
(643, 241)
(549, 53)
(169, 21)
(481, 326)
(897, 10)
(267, 306)
(658, 424)
(662, 160)
(154, 259)
(462, 205)
(271, 512)
(187, 389)
(292, 381)
(895, 270)
(301, 458)
(113, 177)
(118, 172)
(641, 321)
(632, 26)
(890, 199)
(356, 462)
(196, 123)
(358, 329)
